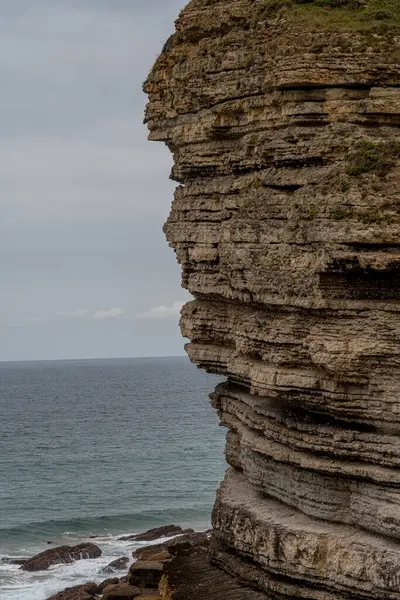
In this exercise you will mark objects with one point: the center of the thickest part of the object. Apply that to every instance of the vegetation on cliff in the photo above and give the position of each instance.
(373, 157)
(359, 15)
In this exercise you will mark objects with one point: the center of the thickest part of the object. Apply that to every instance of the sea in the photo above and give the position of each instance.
(100, 448)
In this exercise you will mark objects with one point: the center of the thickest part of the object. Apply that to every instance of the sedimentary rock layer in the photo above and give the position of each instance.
(279, 463)
(299, 556)
(286, 224)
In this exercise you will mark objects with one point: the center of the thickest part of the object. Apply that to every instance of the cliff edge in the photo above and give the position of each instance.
(283, 119)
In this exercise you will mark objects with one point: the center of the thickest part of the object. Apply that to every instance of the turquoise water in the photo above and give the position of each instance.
(102, 448)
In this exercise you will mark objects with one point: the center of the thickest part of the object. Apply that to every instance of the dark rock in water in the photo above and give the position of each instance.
(62, 554)
(165, 550)
(13, 561)
(121, 591)
(78, 592)
(49, 542)
(157, 532)
(116, 565)
(145, 574)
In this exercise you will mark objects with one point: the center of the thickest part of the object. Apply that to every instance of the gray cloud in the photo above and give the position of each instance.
(162, 312)
(84, 194)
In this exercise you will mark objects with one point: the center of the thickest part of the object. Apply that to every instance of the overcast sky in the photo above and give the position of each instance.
(85, 268)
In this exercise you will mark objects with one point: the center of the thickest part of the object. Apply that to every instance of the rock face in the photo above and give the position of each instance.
(287, 226)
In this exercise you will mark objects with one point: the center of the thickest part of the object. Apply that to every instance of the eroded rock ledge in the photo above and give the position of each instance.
(286, 224)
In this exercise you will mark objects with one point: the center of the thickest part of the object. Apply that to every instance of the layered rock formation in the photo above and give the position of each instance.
(286, 224)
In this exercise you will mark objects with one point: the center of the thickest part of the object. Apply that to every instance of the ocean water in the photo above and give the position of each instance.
(105, 448)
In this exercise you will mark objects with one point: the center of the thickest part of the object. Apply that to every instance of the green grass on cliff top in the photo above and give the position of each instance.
(356, 15)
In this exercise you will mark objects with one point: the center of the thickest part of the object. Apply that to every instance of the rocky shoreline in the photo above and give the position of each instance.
(178, 568)
(147, 570)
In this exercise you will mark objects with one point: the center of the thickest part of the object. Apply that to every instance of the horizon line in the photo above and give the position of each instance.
(32, 360)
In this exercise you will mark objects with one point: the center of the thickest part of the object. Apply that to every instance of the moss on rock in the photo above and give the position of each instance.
(341, 14)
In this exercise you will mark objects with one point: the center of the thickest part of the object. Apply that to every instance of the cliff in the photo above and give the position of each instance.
(283, 122)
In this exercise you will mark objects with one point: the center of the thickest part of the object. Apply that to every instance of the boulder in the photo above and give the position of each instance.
(98, 590)
(156, 533)
(62, 554)
(78, 592)
(121, 591)
(160, 556)
(186, 544)
(116, 565)
(145, 574)
(161, 552)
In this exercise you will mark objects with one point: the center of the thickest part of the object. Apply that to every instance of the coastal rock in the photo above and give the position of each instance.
(78, 592)
(193, 577)
(110, 581)
(160, 556)
(145, 574)
(318, 557)
(156, 533)
(62, 554)
(284, 133)
(160, 552)
(116, 565)
(121, 591)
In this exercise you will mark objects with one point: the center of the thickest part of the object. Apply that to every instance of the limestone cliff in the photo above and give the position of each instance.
(286, 223)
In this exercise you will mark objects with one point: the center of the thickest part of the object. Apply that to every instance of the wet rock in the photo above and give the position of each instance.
(78, 592)
(163, 550)
(121, 591)
(145, 574)
(116, 565)
(156, 533)
(101, 586)
(62, 554)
